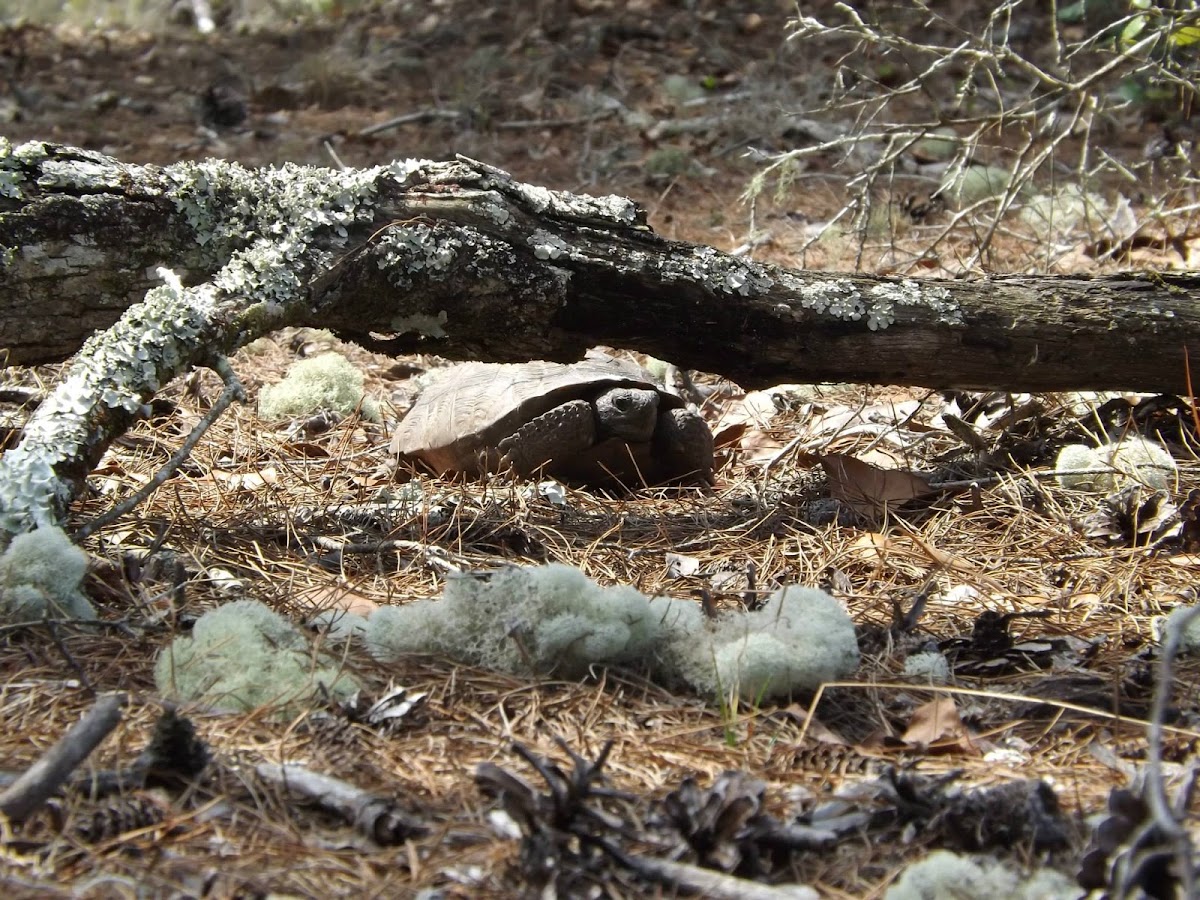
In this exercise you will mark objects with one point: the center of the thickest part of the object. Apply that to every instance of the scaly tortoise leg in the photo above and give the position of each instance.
(556, 434)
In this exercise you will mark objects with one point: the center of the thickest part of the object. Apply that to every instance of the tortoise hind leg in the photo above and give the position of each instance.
(556, 434)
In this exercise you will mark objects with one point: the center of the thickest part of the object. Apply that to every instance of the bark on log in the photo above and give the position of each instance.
(459, 259)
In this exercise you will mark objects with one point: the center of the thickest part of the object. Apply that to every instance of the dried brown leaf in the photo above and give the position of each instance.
(936, 725)
(870, 490)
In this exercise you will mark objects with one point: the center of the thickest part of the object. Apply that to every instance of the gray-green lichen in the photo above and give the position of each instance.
(116, 368)
(496, 213)
(609, 208)
(887, 296)
(271, 219)
(10, 172)
(621, 210)
(838, 298)
(540, 200)
(724, 273)
(227, 203)
(74, 173)
(547, 246)
(415, 248)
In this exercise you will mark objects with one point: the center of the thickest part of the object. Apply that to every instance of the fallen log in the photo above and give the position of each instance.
(179, 266)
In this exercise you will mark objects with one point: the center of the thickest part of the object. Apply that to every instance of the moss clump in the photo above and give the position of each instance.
(800, 638)
(325, 382)
(40, 576)
(552, 619)
(1189, 639)
(943, 874)
(975, 183)
(243, 656)
(1073, 464)
(555, 620)
(1132, 460)
(929, 667)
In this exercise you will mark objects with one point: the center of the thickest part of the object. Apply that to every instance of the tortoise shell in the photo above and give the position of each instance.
(461, 420)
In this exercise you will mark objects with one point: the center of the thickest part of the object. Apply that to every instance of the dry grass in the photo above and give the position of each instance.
(1017, 557)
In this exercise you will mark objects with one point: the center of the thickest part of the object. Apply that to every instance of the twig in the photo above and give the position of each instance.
(1156, 791)
(333, 154)
(810, 713)
(433, 556)
(72, 663)
(705, 882)
(421, 115)
(376, 817)
(572, 122)
(233, 391)
(43, 778)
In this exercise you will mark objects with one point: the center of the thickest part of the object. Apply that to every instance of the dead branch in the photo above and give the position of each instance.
(376, 817)
(706, 882)
(458, 258)
(25, 795)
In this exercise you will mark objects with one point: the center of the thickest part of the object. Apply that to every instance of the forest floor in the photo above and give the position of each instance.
(1044, 603)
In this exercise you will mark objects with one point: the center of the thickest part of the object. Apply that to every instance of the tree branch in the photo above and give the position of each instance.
(457, 258)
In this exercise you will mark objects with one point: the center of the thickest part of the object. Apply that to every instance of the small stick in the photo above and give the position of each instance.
(693, 879)
(421, 115)
(37, 783)
(233, 392)
(376, 817)
(1163, 817)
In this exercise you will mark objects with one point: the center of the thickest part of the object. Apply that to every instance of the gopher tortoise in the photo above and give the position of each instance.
(599, 421)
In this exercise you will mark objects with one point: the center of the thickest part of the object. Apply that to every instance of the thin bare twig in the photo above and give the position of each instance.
(233, 391)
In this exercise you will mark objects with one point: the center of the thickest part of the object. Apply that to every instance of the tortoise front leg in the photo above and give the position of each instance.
(557, 434)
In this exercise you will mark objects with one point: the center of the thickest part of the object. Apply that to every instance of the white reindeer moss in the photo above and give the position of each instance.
(551, 619)
(325, 382)
(798, 639)
(243, 656)
(554, 620)
(929, 667)
(40, 576)
(943, 875)
(1134, 459)
(1079, 468)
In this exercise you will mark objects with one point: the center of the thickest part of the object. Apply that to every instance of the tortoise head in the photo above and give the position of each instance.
(627, 413)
